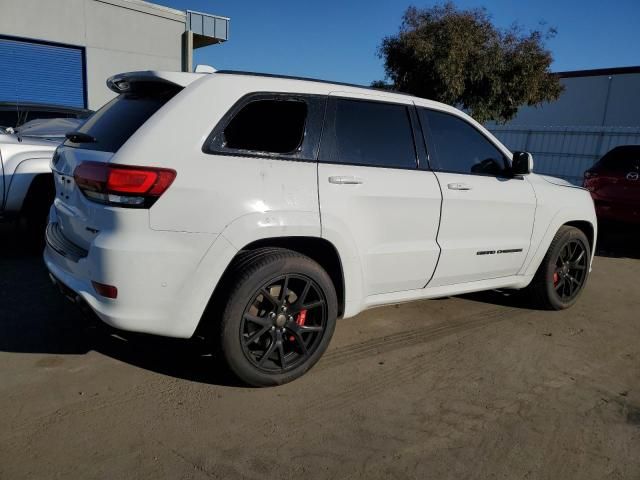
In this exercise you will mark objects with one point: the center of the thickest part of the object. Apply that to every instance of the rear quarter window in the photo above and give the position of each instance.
(276, 125)
(272, 126)
(118, 120)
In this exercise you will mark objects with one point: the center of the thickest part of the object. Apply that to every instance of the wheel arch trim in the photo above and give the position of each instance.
(568, 217)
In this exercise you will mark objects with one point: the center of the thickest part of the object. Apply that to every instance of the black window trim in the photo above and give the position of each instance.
(308, 148)
(330, 116)
(420, 134)
(426, 131)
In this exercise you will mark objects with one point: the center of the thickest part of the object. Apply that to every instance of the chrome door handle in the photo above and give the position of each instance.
(346, 180)
(459, 186)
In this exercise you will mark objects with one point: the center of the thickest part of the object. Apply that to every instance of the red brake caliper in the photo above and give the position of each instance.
(556, 278)
(302, 317)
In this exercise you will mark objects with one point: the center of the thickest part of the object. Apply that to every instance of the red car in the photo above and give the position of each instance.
(614, 183)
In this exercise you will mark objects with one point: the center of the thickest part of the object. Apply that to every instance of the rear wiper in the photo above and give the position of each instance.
(79, 137)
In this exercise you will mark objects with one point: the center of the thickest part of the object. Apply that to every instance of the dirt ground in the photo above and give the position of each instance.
(468, 387)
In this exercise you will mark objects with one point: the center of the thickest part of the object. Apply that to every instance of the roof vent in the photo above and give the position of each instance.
(204, 69)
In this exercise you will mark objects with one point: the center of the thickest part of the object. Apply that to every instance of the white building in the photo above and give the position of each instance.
(61, 52)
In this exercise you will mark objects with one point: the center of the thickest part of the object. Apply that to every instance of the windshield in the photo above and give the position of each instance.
(118, 120)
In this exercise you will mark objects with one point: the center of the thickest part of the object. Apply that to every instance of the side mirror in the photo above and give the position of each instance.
(522, 163)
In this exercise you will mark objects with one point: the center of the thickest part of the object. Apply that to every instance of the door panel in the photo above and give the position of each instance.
(373, 196)
(487, 214)
(485, 230)
(392, 216)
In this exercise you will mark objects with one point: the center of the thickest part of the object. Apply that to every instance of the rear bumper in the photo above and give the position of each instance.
(164, 279)
(72, 296)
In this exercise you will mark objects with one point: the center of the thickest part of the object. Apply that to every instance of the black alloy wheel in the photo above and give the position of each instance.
(571, 269)
(563, 272)
(283, 323)
(279, 316)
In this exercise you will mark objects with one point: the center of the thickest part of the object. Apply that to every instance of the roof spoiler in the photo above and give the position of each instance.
(121, 82)
(202, 68)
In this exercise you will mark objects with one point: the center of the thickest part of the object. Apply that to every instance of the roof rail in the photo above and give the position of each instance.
(308, 79)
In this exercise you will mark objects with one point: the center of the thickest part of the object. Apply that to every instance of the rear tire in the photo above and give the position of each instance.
(563, 272)
(279, 316)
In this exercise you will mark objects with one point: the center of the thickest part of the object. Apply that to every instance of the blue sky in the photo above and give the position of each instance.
(338, 40)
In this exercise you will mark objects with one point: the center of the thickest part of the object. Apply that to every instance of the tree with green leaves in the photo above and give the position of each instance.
(459, 57)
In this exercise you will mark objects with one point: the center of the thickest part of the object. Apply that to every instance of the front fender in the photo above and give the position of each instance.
(544, 237)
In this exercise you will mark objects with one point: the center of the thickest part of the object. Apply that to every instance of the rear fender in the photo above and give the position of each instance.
(273, 224)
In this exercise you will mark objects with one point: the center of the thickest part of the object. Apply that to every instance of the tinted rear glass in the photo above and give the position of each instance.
(626, 157)
(370, 133)
(114, 123)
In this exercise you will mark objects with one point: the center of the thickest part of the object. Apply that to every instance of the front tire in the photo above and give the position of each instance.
(563, 272)
(279, 317)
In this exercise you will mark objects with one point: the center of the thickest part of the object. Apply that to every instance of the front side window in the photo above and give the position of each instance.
(271, 126)
(369, 133)
(456, 146)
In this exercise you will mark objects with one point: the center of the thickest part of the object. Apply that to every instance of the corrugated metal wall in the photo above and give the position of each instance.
(41, 73)
(565, 152)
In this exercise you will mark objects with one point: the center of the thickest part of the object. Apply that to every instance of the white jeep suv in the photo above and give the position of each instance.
(259, 209)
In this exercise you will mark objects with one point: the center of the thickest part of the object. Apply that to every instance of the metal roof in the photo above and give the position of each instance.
(598, 72)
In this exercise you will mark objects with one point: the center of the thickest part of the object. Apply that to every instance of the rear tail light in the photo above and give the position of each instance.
(122, 185)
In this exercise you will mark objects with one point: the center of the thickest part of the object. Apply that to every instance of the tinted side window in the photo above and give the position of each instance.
(369, 133)
(456, 146)
(274, 126)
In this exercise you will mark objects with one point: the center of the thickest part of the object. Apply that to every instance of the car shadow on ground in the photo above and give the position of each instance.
(35, 318)
(618, 241)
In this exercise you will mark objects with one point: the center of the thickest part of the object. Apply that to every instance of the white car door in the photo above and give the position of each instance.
(487, 213)
(373, 195)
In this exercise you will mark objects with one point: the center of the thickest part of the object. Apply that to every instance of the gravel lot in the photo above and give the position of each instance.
(468, 387)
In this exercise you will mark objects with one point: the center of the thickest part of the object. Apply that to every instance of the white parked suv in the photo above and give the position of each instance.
(259, 209)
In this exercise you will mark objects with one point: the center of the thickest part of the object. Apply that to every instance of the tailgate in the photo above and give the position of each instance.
(77, 217)
(97, 140)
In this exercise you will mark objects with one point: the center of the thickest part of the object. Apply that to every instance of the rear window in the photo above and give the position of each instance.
(626, 157)
(114, 123)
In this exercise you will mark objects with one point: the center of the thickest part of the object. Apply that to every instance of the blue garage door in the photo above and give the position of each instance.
(41, 73)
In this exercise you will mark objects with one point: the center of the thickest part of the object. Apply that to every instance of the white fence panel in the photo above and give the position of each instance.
(565, 152)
